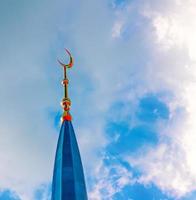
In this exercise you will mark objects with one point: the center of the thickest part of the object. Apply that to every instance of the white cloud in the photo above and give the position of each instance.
(169, 65)
(109, 180)
(172, 166)
(117, 29)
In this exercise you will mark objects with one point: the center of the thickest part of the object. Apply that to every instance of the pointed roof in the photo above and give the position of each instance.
(68, 177)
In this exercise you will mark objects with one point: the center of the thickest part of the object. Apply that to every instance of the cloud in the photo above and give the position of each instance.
(110, 179)
(117, 29)
(171, 165)
(8, 195)
(167, 66)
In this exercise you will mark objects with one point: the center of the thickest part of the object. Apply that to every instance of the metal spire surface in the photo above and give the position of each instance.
(68, 177)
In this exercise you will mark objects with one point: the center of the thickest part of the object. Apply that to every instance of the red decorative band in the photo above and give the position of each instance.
(65, 82)
(67, 117)
(66, 108)
(66, 103)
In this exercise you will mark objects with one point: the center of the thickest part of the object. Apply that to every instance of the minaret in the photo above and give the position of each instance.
(68, 178)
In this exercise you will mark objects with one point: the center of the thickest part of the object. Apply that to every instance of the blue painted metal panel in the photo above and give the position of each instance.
(68, 178)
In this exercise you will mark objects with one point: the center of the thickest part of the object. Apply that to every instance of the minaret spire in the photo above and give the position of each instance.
(66, 102)
(68, 176)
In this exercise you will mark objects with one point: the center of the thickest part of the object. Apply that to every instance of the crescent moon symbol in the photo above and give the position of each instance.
(70, 61)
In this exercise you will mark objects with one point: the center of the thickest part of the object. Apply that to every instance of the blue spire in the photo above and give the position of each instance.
(68, 178)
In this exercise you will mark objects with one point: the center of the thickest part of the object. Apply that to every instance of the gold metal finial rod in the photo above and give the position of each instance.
(66, 102)
(65, 85)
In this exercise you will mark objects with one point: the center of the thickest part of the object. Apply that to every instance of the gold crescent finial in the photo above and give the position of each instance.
(66, 102)
(71, 62)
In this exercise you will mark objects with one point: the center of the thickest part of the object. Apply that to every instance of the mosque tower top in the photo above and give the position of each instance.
(68, 177)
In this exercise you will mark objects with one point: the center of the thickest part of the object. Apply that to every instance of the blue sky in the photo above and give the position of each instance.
(132, 89)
